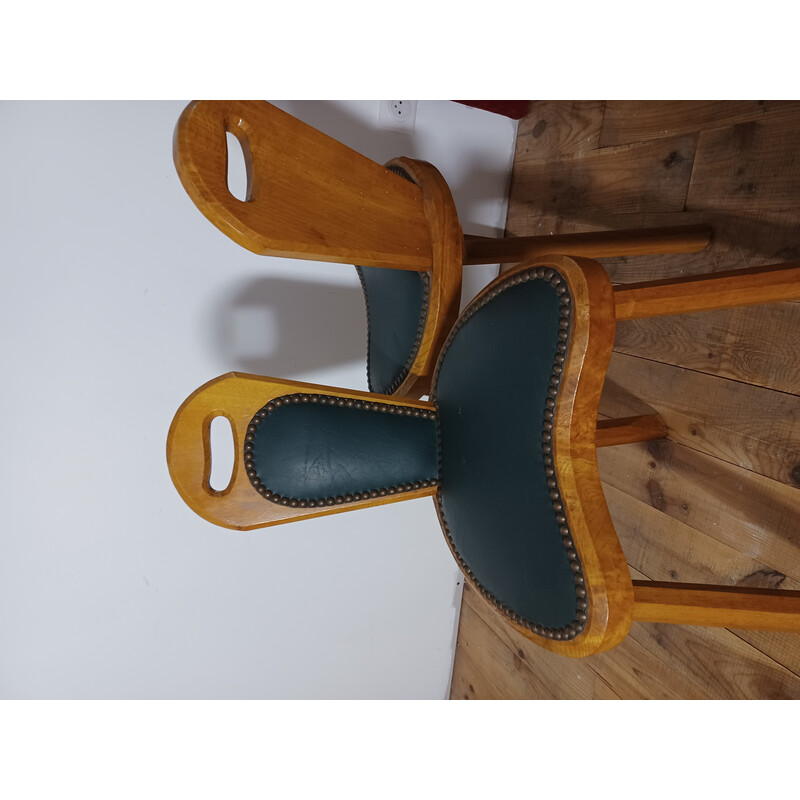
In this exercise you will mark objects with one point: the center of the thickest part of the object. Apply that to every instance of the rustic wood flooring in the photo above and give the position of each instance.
(719, 500)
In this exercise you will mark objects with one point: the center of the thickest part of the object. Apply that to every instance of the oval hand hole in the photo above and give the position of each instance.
(238, 168)
(222, 453)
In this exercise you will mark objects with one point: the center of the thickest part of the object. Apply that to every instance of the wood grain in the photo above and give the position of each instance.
(716, 663)
(601, 244)
(742, 424)
(717, 606)
(751, 344)
(653, 662)
(558, 678)
(627, 121)
(501, 672)
(648, 177)
(663, 548)
(557, 128)
(602, 691)
(637, 673)
(783, 648)
(447, 255)
(642, 428)
(746, 165)
(744, 510)
(310, 196)
(740, 239)
(728, 289)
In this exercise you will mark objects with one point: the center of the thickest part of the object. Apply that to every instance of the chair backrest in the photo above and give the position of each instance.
(308, 195)
(301, 450)
(312, 197)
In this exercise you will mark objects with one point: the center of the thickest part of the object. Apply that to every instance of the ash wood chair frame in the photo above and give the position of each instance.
(607, 599)
(311, 197)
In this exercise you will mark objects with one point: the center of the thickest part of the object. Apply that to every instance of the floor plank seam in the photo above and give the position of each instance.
(709, 374)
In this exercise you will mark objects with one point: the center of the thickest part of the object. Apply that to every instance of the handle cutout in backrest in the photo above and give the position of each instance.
(221, 454)
(309, 196)
(239, 164)
(242, 505)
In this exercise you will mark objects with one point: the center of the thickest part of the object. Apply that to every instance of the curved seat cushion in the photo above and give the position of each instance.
(397, 310)
(495, 389)
(313, 449)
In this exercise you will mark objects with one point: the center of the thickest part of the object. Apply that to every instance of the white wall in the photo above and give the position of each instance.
(118, 300)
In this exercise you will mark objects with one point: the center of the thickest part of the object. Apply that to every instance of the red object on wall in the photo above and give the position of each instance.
(516, 109)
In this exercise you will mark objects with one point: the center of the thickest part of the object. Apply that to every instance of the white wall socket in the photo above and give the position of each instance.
(398, 113)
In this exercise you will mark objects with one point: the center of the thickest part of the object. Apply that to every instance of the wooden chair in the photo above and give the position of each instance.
(505, 446)
(310, 197)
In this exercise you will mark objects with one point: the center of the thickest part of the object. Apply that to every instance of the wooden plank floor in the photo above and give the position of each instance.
(719, 501)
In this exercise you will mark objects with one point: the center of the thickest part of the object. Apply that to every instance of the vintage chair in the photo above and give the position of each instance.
(506, 447)
(310, 197)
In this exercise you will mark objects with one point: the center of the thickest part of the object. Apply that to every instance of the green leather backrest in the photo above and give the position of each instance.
(313, 448)
(494, 387)
(397, 308)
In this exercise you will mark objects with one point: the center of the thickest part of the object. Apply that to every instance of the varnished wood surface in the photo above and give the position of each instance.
(722, 606)
(237, 397)
(742, 287)
(641, 428)
(717, 502)
(447, 256)
(602, 244)
(304, 189)
(311, 197)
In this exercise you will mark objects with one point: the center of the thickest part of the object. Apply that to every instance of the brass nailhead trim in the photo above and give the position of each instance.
(572, 630)
(323, 399)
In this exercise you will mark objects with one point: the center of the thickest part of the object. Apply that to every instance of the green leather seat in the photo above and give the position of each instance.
(487, 446)
(495, 388)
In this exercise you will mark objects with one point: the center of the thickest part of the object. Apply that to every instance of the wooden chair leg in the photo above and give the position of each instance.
(595, 244)
(627, 430)
(716, 606)
(705, 292)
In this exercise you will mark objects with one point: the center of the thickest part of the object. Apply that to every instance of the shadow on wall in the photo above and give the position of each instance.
(281, 327)
(371, 140)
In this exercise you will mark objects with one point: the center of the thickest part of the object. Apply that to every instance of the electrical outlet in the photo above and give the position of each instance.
(399, 113)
